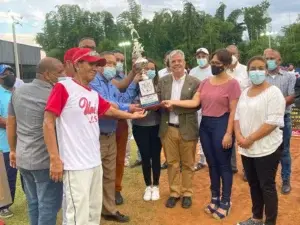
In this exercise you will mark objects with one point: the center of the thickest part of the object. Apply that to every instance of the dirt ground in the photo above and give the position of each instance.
(155, 213)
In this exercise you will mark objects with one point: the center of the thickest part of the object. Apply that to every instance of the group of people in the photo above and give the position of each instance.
(67, 131)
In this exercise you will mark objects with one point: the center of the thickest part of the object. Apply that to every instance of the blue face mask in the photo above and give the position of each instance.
(257, 77)
(109, 73)
(202, 62)
(151, 74)
(271, 64)
(119, 67)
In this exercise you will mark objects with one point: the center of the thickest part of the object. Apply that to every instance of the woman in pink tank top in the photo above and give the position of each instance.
(218, 96)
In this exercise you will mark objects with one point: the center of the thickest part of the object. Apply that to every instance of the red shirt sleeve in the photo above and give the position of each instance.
(234, 90)
(103, 106)
(57, 99)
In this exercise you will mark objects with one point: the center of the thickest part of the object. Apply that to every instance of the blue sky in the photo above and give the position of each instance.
(33, 11)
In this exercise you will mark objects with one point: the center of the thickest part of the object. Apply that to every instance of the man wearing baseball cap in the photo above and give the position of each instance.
(7, 82)
(201, 72)
(79, 155)
(68, 64)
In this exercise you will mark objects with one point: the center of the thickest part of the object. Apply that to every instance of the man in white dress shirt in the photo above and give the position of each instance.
(239, 72)
(179, 130)
(201, 72)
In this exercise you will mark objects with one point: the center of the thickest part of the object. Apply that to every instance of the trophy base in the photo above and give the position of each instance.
(149, 101)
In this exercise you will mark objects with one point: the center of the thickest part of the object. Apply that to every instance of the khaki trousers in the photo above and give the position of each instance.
(179, 150)
(122, 139)
(108, 155)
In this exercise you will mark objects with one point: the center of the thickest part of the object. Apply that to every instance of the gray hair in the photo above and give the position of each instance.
(176, 52)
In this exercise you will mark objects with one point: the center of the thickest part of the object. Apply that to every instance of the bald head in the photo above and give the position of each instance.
(48, 64)
(268, 50)
(49, 69)
(232, 49)
(87, 43)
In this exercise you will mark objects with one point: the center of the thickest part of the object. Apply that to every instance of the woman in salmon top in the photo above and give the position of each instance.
(218, 96)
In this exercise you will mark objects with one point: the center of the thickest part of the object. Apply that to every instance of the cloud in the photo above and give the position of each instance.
(34, 11)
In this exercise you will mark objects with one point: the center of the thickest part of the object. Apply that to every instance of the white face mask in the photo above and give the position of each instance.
(234, 60)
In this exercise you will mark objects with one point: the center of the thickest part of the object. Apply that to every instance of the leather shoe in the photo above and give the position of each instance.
(164, 165)
(171, 203)
(286, 187)
(118, 217)
(235, 171)
(119, 199)
(186, 202)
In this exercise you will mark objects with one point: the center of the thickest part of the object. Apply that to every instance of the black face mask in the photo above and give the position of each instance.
(216, 70)
(9, 81)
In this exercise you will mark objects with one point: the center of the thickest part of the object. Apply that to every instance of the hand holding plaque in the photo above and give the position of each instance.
(148, 96)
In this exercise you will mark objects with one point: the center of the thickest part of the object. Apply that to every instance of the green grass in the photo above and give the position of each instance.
(133, 184)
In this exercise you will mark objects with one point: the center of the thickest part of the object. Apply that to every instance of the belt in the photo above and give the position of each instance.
(107, 134)
(174, 125)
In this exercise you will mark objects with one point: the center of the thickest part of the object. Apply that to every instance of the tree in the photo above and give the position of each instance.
(256, 19)
(64, 27)
(187, 29)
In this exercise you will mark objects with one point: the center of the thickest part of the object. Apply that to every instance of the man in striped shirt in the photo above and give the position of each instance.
(286, 83)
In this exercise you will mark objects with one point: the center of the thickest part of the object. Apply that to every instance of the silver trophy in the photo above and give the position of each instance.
(149, 97)
(137, 51)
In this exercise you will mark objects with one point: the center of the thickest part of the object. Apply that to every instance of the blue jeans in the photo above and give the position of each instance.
(11, 176)
(285, 160)
(212, 131)
(44, 196)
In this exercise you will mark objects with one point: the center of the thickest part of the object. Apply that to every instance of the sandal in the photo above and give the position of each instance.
(225, 206)
(209, 209)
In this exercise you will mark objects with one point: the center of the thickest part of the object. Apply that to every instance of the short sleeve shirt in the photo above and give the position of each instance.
(78, 109)
(5, 96)
(215, 99)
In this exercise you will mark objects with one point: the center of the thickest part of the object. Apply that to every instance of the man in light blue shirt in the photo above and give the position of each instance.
(7, 82)
(103, 85)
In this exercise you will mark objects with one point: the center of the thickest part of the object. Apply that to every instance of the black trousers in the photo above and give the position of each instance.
(149, 144)
(261, 173)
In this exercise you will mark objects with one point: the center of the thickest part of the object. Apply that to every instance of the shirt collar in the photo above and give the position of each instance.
(102, 78)
(279, 73)
(180, 79)
(42, 83)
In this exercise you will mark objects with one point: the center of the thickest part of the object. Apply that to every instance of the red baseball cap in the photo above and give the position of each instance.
(69, 54)
(88, 55)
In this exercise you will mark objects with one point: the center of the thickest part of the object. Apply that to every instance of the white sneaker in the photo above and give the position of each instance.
(155, 193)
(148, 193)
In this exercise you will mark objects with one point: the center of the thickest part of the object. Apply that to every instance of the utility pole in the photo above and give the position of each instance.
(17, 64)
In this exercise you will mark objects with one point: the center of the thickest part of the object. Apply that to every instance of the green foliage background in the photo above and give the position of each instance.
(186, 29)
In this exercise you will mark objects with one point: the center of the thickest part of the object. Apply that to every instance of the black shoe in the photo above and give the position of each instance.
(286, 187)
(136, 164)
(171, 203)
(244, 176)
(164, 165)
(186, 202)
(118, 217)
(235, 171)
(119, 199)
